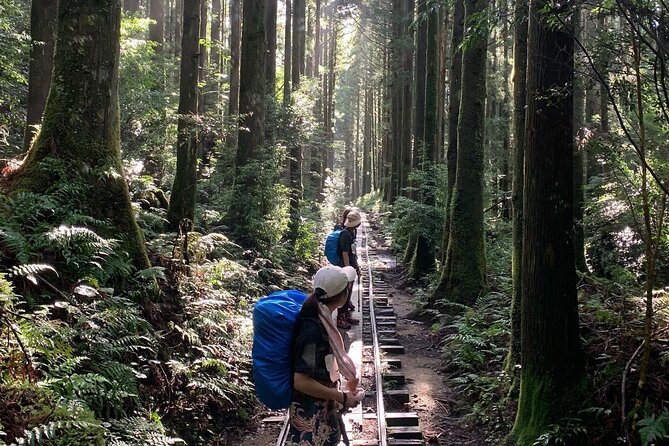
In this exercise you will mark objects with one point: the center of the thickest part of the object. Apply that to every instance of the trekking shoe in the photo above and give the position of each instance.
(342, 323)
(353, 321)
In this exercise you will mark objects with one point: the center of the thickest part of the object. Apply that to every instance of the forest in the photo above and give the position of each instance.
(164, 164)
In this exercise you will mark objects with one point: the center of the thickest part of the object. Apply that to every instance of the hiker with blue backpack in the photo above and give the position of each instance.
(299, 355)
(340, 251)
(319, 357)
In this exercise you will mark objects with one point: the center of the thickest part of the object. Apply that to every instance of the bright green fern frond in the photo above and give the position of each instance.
(16, 243)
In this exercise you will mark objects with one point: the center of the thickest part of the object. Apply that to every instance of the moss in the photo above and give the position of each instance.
(544, 400)
(80, 131)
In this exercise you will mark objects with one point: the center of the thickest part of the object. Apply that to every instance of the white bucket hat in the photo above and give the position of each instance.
(353, 219)
(331, 279)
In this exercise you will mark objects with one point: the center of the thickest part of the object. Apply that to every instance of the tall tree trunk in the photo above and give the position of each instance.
(43, 26)
(419, 79)
(455, 81)
(552, 374)
(131, 6)
(203, 59)
(80, 129)
(287, 65)
(422, 260)
(178, 26)
(216, 40)
(270, 63)
(367, 143)
(157, 27)
(235, 49)
(579, 156)
(505, 180)
(407, 101)
(244, 210)
(463, 277)
(184, 188)
(520, 11)
(299, 11)
(317, 39)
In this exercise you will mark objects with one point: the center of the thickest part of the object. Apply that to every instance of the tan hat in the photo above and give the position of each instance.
(353, 219)
(331, 279)
(350, 273)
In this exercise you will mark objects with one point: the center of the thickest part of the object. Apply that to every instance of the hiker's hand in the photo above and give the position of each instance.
(354, 398)
(352, 384)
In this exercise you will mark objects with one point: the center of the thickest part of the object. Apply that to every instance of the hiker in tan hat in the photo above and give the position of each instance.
(319, 357)
(346, 248)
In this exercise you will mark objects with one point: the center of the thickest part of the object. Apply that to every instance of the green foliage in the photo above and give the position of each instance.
(424, 214)
(14, 55)
(568, 432)
(654, 428)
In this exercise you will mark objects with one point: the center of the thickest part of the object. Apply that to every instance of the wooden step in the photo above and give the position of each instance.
(400, 396)
(392, 349)
(394, 377)
(405, 432)
(402, 419)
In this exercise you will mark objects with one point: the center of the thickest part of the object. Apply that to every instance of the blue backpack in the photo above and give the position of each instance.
(274, 318)
(331, 245)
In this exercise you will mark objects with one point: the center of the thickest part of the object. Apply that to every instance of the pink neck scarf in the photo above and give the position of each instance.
(346, 365)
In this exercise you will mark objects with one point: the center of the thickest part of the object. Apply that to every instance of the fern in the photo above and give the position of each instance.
(40, 434)
(16, 243)
(30, 271)
(654, 428)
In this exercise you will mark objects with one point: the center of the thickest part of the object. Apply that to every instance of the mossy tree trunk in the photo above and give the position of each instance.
(80, 129)
(552, 373)
(43, 26)
(247, 206)
(422, 259)
(184, 188)
(519, 100)
(455, 79)
(463, 276)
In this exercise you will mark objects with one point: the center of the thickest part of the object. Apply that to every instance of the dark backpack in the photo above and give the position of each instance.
(274, 319)
(332, 247)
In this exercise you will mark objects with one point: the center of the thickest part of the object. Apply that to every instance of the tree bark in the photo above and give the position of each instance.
(80, 131)
(131, 6)
(519, 100)
(216, 40)
(552, 374)
(270, 63)
(157, 27)
(235, 49)
(299, 11)
(455, 80)
(203, 60)
(579, 156)
(43, 27)
(463, 277)
(287, 63)
(184, 188)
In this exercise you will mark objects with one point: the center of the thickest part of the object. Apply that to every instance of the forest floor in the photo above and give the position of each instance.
(432, 397)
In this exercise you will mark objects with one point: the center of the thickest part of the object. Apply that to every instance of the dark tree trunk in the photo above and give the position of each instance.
(184, 188)
(407, 100)
(233, 101)
(419, 101)
(422, 261)
(216, 39)
(455, 80)
(131, 6)
(81, 123)
(203, 60)
(178, 26)
(299, 11)
(579, 157)
(157, 27)
(317, 39)
(43, 26)
(463, 277)
(287, 65)
(367, 144)
(252, 82)
(270, 63)
(552, 375)
(519, 99)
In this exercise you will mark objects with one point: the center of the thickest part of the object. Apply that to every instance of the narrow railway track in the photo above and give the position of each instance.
(382, 418)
